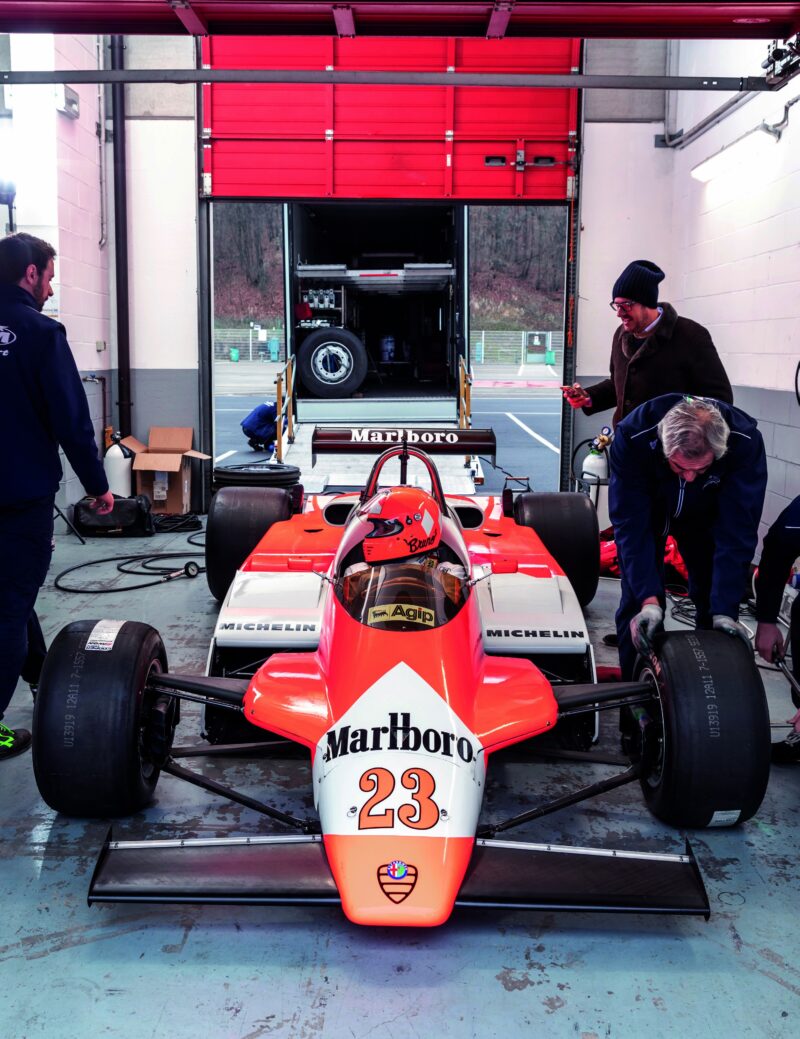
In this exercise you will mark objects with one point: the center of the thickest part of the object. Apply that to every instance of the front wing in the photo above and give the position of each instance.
(294, 871)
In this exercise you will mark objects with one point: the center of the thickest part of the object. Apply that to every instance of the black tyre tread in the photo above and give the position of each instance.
(567, 524)
(255, 474)
(717, 747)
(86, 722)
(237, 520)
(351, 342)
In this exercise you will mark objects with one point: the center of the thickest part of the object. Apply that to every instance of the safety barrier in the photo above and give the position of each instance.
(284, 401)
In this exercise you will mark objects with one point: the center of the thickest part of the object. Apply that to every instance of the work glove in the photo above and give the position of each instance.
(731, 627)
(644, 626)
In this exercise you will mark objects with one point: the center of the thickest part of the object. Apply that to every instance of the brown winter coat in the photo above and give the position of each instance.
(677, 357)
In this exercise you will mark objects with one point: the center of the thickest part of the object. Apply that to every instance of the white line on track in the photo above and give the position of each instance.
(227, 454)
(530, 432)
(552, 414)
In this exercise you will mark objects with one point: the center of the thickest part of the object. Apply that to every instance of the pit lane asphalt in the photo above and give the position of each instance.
(528, 431)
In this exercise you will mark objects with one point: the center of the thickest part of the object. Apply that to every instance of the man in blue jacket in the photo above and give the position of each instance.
(42, 406)
(694, 468)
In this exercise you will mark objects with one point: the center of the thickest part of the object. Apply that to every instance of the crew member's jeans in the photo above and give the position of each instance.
(697, 548)
(26, 534)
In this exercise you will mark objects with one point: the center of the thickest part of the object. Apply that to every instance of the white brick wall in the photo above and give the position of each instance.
(625, 215)
(737, 238)
(82, 263)
(730, 248)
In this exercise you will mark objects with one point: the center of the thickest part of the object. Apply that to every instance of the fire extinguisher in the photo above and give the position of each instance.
(118, 465)
(594, 474)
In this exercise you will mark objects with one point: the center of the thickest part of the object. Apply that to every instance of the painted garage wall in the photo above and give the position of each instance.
(56, 170)
(162, 240)
(731, 247)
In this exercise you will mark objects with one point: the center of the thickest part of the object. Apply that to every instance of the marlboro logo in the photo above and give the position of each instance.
(397, 880)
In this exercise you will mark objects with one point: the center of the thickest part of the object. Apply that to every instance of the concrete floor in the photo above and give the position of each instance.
(69, 971)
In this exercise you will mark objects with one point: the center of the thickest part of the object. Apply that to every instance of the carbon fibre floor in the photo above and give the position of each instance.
(70, 971)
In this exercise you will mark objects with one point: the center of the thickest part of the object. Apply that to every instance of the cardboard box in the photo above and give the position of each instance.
(162, 467)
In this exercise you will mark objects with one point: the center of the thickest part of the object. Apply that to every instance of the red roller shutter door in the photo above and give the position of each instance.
(389, 142)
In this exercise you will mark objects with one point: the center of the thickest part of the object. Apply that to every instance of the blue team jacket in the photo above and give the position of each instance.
(646, 498)
(42, 405)
(781, 548)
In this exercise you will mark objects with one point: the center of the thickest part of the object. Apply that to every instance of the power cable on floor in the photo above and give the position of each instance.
(173, 523)
(148, 565)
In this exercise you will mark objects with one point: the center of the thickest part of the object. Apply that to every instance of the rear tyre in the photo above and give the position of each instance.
(332, 362)
(255, 474)
(238, 519)
(567, 524)
(95, 726)
(706, 741)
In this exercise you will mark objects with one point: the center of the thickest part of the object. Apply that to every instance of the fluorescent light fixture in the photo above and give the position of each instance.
(752, 147)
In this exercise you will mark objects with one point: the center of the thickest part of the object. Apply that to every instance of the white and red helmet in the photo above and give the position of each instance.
(405, 521)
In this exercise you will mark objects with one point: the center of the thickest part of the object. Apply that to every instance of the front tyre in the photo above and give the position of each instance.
(706, 736)
(95, 722)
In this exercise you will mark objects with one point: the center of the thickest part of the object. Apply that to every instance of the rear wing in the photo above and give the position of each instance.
(375, 439)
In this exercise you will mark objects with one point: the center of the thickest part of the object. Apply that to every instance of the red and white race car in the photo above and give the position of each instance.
(403, 636)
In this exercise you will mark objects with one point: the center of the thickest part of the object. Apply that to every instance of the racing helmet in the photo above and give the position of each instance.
(404, 522)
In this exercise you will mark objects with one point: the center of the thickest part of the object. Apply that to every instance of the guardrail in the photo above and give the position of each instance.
(464, 395)
(285, 406)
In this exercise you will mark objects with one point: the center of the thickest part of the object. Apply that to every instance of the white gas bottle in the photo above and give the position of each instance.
(594, 475)
(118, 465)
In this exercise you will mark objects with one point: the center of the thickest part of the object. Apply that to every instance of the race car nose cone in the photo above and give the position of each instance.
(396, 880)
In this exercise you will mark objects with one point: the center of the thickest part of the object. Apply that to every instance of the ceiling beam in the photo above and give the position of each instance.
(499, 19)
(343, 18)
(189, 18)
(556, 81)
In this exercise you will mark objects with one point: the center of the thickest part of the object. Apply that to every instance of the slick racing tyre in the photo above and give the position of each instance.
(238, 519)
(255, 474)
(99, 736)
(567, 524)
(705, 737)
(332, 362)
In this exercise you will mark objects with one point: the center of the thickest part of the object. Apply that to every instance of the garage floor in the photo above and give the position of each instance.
(69, 971)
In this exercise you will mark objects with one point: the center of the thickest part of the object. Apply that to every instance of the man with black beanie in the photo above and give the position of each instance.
(653, 351)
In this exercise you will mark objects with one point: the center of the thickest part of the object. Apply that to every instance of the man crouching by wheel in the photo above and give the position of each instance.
(694, 468)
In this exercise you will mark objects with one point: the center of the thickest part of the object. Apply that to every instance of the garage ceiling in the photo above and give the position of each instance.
(486, 18)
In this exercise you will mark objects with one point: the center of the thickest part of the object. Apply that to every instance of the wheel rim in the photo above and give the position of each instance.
(331, 363)
(654, 740)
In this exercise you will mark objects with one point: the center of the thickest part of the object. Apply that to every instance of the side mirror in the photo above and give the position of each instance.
(504, 565)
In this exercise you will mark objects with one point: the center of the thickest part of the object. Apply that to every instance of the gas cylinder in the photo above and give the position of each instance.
(594, 473)
(118, 464)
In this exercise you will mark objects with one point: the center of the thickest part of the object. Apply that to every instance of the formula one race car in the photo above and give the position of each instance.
(402, 637)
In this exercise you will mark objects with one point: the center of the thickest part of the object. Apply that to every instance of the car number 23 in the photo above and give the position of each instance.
(421, 813)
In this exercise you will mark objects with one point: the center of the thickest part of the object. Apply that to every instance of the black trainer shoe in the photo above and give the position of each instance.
(787, 752)
(13, 741)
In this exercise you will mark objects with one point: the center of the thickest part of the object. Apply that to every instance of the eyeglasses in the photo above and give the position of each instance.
(625, 305)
